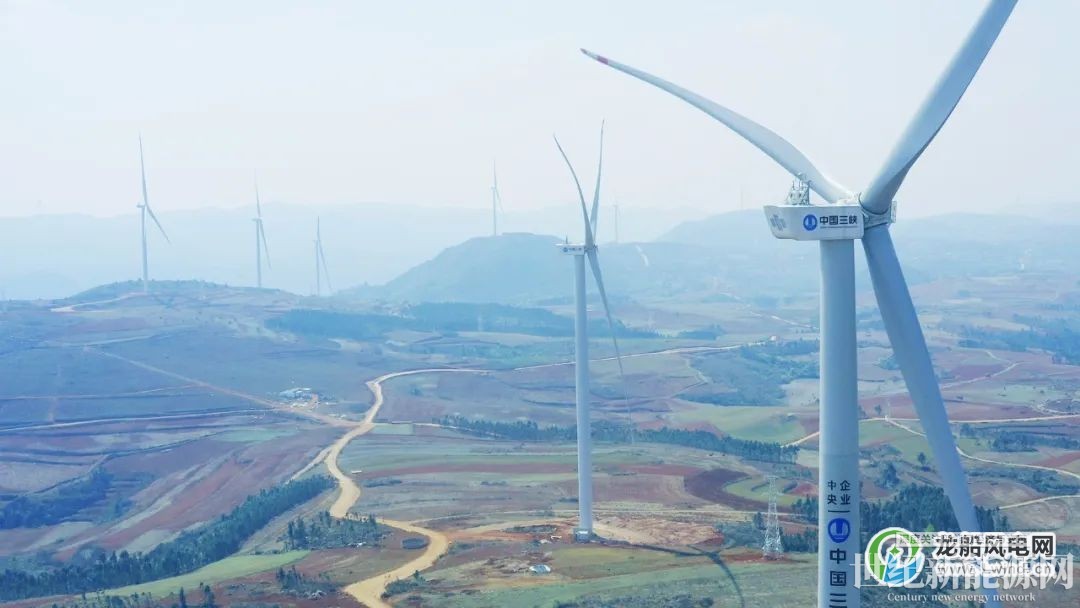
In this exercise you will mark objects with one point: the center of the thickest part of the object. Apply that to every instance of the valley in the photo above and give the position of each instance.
(424, 429)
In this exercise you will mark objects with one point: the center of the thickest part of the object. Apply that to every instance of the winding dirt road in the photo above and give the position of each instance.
(1021, 465)
(369, 591)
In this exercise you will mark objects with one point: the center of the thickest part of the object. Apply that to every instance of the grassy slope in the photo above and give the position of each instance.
(228, 568)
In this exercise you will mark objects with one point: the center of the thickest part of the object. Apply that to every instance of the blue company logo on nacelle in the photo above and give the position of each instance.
(839, 530)
(809, 222)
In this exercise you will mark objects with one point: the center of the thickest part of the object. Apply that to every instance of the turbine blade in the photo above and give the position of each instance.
(581, 195)
(142, 169)
(265, 246)
(495, 186)
(258, 203)
(596, 194)
(909, 349)
(158, 224)
(320, 255)
(937, 106)
(594, 262)
(776, 147)
(326, 271)
(145, 197)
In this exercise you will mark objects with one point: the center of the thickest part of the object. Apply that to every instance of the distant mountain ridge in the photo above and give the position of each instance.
(54, 256)
(415, 254)
(728, 253)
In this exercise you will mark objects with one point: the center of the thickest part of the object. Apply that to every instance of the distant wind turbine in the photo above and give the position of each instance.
(866, 215)
(320, 262)
(580, 252)
(144, 209)
(260, 239)
(496, 201)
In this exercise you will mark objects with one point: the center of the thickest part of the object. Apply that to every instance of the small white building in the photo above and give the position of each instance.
(540, 569)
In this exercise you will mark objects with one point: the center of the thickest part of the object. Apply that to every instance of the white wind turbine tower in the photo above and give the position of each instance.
(144, 209)
(872, 211)
(320, 262)
(496, 200)
(580, 252)
(616, 217)
(260, 239)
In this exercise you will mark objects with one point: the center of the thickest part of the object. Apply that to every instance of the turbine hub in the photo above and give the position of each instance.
(872, 219)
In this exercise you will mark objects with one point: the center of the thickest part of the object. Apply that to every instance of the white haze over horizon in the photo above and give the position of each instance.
(409, 103)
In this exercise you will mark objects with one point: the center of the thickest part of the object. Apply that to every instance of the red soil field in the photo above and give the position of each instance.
(475, 467)
(1060, 460)
(709, 485)
(680, 470)
(243, 470)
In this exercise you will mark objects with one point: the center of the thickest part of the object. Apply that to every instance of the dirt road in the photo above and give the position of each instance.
(1007, 464)
(369, 591)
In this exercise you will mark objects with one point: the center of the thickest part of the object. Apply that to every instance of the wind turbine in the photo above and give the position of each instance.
(320, 262)
(144, 209)
(496, 201)
(580, 252)
(875, 207)
(616, 222)
(260, 239)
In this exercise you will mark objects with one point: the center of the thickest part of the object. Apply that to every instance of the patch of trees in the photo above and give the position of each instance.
(888, 363)
(619, 433)
(1009, 442)
(329, 324)
(146, 600)
(1044, 482)
(784, 348)
(753, 375)
(1052, 335)
(704, 440)
(190, 551)
(297, 583)
(1014, 440)
(208, 600)
(404, 585)
(56, 505)
(888, 477)
(915, 507)
(380, 482)
(325, 532)
(711, 332)
(439, 317)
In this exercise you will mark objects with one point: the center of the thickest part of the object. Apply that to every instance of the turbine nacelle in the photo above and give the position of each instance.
(575, 249)
(815, 222)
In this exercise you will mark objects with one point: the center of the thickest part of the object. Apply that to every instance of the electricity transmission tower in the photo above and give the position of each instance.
(773, 549)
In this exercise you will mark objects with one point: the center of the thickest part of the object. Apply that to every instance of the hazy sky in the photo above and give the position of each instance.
(343, 101)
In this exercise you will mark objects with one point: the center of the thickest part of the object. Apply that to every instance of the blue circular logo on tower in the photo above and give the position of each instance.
(839, 530)
(809, 222)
